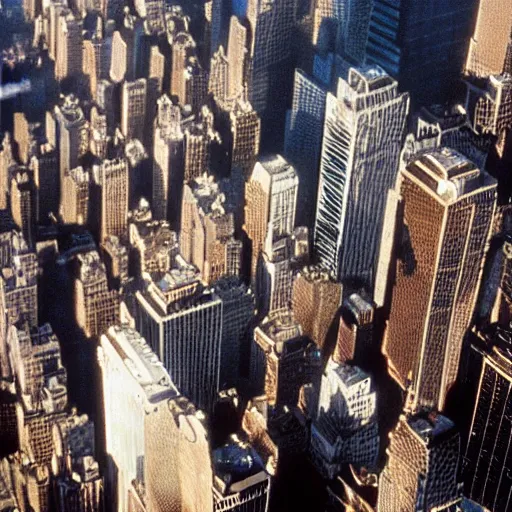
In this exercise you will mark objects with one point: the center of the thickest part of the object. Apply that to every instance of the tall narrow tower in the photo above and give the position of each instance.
(448, 209)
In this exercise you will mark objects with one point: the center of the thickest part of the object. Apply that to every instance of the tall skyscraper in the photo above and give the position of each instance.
(133, 109)
(168, 166)
(182, 322)
(96, 307)
(45, 167)
(271, 26)
(72, 137)
(421, 471)
(237, 56)
(487, 467)
(270, 204)
(134, 385)
(68, 62)
(342, 26)
(207, 229)
(303, 140)
(368, 111)
(343, 411)
(23, 204)
(422, 45)
(245, 130)
(74, 205)
(448, 209)
(114, 177)
(488, 46)
(238, 308)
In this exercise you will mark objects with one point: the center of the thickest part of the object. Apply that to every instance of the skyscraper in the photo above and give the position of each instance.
(303, 140)
(23, 204)
(133, 109)
(114, 198)
(237, 57)
(238, 308)
(168, 166)
(448, 209)
(68, 62)
(134, 385)
(422, 45)
(72, 137)
(74, 205)
(96, 307)
(343, 411)
(368, 112)
(182, 322)
(315, 300)
(46, 179)
(421, 471)
(488, 46)
(207, 229)
(270, 204)
(343, 25)
(487, 467)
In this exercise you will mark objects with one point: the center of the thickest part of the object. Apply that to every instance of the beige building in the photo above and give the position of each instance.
(207, 229)
(114, 179)
(74, 204)
(96, 307)
(448, 210)
(488, 46)
(237, 57)
(68, 62)
(23, 202)
(315, 301)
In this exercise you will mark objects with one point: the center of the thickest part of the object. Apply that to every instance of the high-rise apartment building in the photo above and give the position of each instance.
(196, 149)
(114, 177)
(182, 322)
(168, 166)
(422, 45)
(134, 385)
(68, 62)
(133, 109)
(153, 13)
(421, 471)
(74, 204)
(7, 162)
(23, 204)
(367, 111)
(303, 140)
(316, 298)
(218, 81)
(488, 46)
(96, 307)
(27, 135)
(448, 209)
(270, 205)
(72, 136)
(487, 467)
(207, 229)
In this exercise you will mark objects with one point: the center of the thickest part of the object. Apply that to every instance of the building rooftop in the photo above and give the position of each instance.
(430, 425)
(369, 78)
(276, 164)
(142, 363)
(207, 193)
(70, 110)
(281, 326)
(79, 175)
(448, 163)
(135, 152)
(91, 267)
(349, 375)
